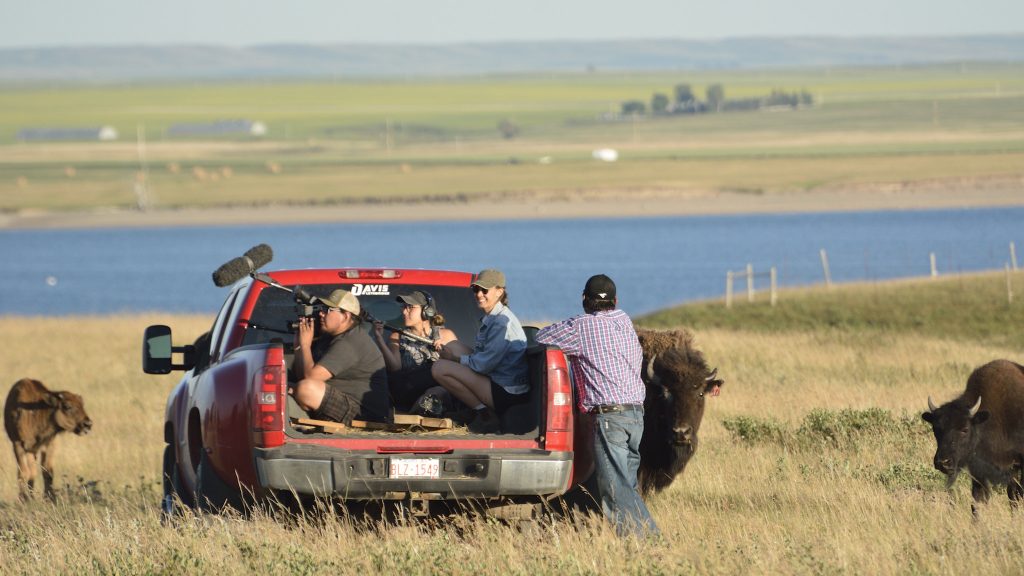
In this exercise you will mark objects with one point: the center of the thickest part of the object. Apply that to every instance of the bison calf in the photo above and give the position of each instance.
(677, 378)
(33, 416)
(983, 430)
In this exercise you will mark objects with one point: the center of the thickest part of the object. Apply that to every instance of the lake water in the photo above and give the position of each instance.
(656, 262)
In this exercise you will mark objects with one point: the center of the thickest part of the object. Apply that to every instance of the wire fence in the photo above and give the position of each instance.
(750, 277)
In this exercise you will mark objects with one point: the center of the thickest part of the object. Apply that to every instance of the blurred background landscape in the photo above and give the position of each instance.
(674, 147)
(150, 128)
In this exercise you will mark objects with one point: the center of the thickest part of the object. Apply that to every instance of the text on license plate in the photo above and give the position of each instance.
(415, 468)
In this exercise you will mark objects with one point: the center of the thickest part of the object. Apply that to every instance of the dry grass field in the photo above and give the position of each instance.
(813, 460)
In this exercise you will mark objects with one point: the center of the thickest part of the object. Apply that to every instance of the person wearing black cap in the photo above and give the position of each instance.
(606, 360)
(492, 377)
(340, 374)
(409, 360)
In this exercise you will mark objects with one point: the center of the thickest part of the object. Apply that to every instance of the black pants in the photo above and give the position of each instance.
(408, 385)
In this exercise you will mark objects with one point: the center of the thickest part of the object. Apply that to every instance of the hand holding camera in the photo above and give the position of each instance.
(306, 331)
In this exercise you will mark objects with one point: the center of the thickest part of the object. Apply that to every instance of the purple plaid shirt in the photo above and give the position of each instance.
(604, 354)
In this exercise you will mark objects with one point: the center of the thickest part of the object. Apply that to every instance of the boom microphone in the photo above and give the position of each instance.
(370, 318)
(237, 268)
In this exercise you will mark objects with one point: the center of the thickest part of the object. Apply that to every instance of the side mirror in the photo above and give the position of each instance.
(158, 350)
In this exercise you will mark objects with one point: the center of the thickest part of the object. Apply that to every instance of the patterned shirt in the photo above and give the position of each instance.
(604, 354)
(415, 353)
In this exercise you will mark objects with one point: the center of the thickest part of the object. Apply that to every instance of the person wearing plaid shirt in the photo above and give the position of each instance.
(605, 358)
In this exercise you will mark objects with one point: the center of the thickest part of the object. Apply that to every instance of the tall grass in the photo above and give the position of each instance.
(813, 460)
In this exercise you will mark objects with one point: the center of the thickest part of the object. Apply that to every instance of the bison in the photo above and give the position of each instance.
(33, 416)
(983, 430)
(677, 378)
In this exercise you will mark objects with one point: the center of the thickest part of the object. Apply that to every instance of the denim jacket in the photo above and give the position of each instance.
(500, 349)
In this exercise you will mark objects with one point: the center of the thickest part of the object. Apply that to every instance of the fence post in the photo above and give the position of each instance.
(773, 293)
(824, 266)
(1009, 286)
(728, 289)
(1013, 256)
(935, 271)
(750, 282)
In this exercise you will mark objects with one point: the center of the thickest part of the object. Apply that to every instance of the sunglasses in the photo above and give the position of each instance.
(479, 289)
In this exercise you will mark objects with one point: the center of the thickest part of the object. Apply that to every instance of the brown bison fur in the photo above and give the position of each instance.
(33, 416)
(655, 342)
(983, 430)
(677, 382)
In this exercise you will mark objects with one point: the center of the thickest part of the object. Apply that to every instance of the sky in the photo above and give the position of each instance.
(36, 23)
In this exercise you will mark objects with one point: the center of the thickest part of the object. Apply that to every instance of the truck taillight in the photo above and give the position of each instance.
(269, 403)
(558, 435)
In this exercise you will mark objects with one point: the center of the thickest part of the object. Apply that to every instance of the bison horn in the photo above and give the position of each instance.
(931, 405)
(712, 376)
(649, 370)
(974, 409)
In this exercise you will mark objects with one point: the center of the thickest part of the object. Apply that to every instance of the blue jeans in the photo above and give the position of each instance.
(616, 461)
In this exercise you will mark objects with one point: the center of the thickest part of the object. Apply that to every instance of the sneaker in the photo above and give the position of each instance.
(486, 422)
(429, 405)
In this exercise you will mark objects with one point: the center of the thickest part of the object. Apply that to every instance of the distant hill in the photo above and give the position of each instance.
(141, 63)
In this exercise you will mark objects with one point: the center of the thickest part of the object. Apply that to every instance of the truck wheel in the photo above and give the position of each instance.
(174, 498)
(212, 494)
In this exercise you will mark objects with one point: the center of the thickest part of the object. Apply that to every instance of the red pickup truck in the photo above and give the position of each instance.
(230, 424)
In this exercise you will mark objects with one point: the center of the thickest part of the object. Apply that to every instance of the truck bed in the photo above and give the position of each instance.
(521, 421)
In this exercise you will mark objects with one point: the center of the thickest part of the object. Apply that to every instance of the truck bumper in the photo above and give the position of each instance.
(366, 475)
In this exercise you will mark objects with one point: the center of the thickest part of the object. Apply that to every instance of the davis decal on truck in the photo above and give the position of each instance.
(371, 289)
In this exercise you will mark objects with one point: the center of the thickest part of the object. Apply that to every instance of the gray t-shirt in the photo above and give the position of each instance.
(357, 368)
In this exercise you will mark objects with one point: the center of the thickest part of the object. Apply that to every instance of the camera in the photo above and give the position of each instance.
(307, 306)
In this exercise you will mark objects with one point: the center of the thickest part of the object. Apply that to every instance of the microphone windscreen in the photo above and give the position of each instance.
(260, 255)
(238, 268)
(230, 272)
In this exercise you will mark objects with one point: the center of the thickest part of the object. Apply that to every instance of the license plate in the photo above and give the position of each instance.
(415, 468)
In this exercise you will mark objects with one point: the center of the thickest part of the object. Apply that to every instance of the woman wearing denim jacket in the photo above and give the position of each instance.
(492, 377)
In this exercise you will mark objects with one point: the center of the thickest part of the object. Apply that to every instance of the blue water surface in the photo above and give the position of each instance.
(656, 262)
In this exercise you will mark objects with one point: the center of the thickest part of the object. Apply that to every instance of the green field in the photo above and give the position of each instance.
(814, 460)
(973, 308)
(410, 139)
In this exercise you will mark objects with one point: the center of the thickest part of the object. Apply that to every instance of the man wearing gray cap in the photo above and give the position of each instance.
(340, 374)
(492, 377)
(605, 355)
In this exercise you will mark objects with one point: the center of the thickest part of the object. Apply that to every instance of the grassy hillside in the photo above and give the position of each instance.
(962, 308)
(814, 459)
(553, 106)
(413, 139)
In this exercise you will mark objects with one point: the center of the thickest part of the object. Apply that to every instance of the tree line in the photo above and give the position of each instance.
(686, 102)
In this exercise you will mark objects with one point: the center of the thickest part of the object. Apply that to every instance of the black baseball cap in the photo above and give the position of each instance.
(599, 287)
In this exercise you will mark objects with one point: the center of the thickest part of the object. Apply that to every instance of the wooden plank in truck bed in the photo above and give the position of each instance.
(402, 422)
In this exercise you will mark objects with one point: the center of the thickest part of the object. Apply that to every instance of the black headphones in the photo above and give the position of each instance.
(428, 311)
